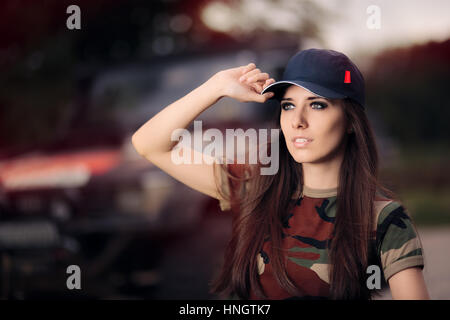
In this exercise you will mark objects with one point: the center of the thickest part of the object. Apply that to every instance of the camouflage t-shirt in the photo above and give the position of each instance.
(308, 229)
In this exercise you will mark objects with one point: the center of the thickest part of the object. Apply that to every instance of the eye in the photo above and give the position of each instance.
(285, 104)
(319, 105)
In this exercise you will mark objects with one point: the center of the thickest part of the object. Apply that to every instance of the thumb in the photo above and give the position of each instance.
(262, 97)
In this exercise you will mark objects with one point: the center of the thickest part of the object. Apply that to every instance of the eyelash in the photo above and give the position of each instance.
(322, 104)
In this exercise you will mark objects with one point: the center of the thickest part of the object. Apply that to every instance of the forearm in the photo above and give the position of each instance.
(154, 137)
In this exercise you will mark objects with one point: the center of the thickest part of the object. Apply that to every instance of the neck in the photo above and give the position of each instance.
(322, 175)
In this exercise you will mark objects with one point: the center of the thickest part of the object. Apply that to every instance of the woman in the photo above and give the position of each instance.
(316, 227)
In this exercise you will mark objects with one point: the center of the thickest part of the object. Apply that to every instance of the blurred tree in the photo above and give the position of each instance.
(408, 88)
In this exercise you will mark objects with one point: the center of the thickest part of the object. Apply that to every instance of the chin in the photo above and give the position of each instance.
(303, 160)
(302, 156)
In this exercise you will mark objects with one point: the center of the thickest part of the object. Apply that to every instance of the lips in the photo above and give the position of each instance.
(301, 141)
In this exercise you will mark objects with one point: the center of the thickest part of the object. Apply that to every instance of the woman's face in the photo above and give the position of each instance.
(321, 121)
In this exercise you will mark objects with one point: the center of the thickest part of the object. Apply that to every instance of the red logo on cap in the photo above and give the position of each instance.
(347, 77)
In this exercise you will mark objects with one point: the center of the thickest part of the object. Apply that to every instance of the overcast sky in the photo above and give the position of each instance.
(344, 25)
(403, 22)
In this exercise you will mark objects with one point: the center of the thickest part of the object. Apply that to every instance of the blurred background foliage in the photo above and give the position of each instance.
(408, 88)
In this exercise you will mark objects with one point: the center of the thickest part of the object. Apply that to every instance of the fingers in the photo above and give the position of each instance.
(268, 82)
(253, 75)
(262, 97)
(259, 77)
(260, 86)
(248, 68)
(258, 80)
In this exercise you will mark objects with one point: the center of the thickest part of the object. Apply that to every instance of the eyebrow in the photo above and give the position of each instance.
(309, 98)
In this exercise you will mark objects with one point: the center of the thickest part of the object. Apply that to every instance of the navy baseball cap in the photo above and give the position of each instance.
(326, 73)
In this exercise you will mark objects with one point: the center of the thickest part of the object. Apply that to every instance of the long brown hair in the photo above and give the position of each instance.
(260, 209)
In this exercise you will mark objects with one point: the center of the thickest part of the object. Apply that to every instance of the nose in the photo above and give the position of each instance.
(299, 118)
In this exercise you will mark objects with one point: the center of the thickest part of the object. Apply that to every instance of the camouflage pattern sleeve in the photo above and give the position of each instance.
(227, 186)
(399, 246)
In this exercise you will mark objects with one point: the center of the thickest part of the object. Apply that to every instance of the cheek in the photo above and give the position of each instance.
(283, 123)
(332, 134)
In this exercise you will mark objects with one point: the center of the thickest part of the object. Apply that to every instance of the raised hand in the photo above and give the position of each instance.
(244, 83)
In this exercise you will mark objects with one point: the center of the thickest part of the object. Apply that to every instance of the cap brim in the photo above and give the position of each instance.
(279, 87)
